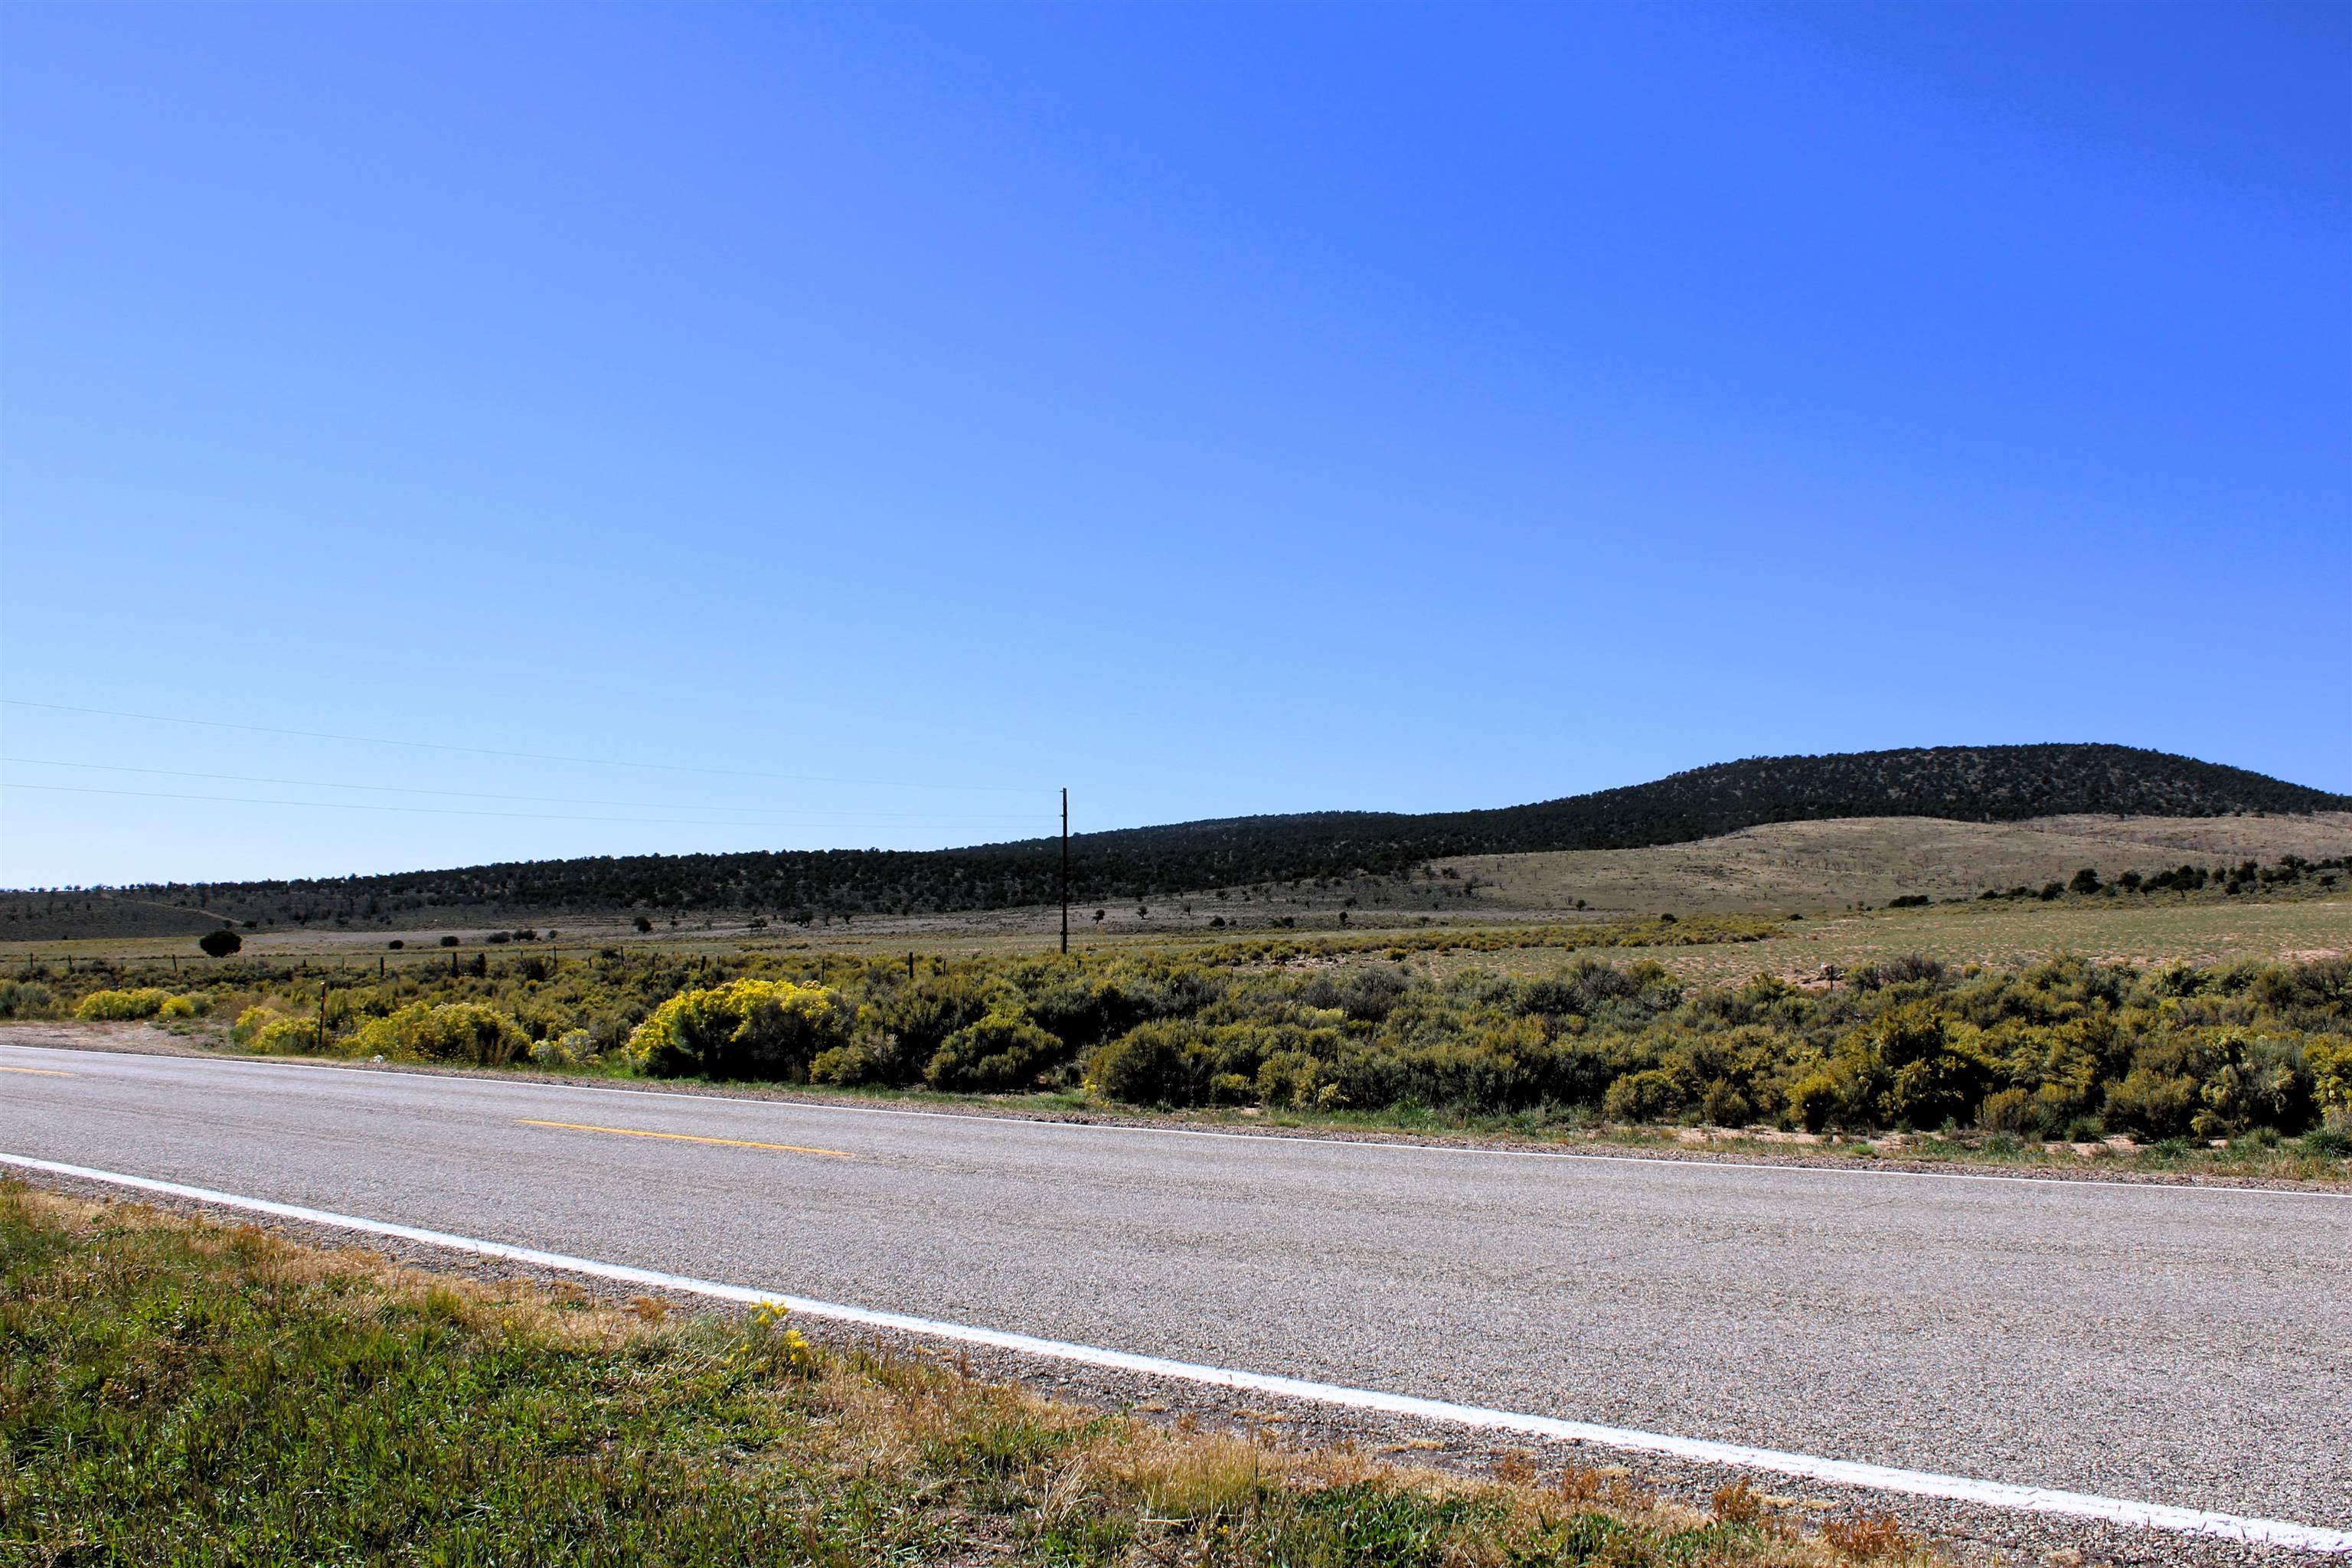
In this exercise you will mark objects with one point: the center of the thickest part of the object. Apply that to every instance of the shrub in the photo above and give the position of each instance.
(1365, 996)
(448, 941)
(1907, 969)
(2331, 1069)
(747, 1028)
(1923, 1075)
(220, 943)
(2151, 1103)
(1649, 1095)
(1297, 1080)
(2009, 1111)
(449, 1031)
(114, 1006)
(2262, 1083)
(180, 1007)
(26, 999)
(1168, 1061)
(1479, 1064)
(1000, 1052)
(574, 1047)
(1815, 1100)
(266, 1029)
(922, 1015)
(872, 1058)
(2227, 1050)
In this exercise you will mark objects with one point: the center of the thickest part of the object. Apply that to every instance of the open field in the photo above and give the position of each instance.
(291, 1398)
(2144, 931)
(1813, 865)
(2203, 929)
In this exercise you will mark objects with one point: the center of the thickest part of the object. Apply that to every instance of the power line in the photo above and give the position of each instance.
(479, 794)
(428, 810)
(491, 752)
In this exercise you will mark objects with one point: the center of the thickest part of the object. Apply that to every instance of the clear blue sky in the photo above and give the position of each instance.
(900, 412)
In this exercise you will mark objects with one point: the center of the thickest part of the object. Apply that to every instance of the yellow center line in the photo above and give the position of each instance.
(40, 1072)
(686, 1138)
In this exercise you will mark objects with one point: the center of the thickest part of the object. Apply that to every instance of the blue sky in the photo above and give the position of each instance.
(861, 420)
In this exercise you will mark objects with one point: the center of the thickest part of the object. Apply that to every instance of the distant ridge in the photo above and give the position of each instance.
(1982, 783)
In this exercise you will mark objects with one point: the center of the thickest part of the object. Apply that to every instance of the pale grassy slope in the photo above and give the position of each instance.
(1828, 865)
(2146, 932)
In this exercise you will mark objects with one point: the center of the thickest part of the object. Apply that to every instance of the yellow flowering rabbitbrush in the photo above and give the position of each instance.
(746, 1029)
(446, 1032)
(144, 1001)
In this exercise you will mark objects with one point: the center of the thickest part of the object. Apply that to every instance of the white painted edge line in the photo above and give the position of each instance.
(1844, 1472)
(1668, 1160)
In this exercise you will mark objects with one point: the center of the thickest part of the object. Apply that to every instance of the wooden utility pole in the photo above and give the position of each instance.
(1065, 869)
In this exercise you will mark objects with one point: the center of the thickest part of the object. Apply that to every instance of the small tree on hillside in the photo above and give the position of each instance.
(220, 943)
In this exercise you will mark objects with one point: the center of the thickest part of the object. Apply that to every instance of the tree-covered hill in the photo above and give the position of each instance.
(1983, 784)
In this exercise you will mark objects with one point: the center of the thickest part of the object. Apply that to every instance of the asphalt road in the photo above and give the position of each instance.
(2182, 1345)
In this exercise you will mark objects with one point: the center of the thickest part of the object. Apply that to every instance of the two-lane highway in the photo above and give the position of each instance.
(2181, 1346)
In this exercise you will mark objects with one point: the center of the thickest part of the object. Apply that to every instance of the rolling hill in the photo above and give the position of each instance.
(1967, 784)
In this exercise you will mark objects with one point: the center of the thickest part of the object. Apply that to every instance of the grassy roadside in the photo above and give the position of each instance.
(179, 1391)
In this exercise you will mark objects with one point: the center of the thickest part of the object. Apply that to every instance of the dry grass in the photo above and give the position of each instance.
(2206, 929)
(1814, 866)
(850, 1455)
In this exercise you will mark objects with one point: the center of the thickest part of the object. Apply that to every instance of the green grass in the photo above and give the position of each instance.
(177, 1392)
